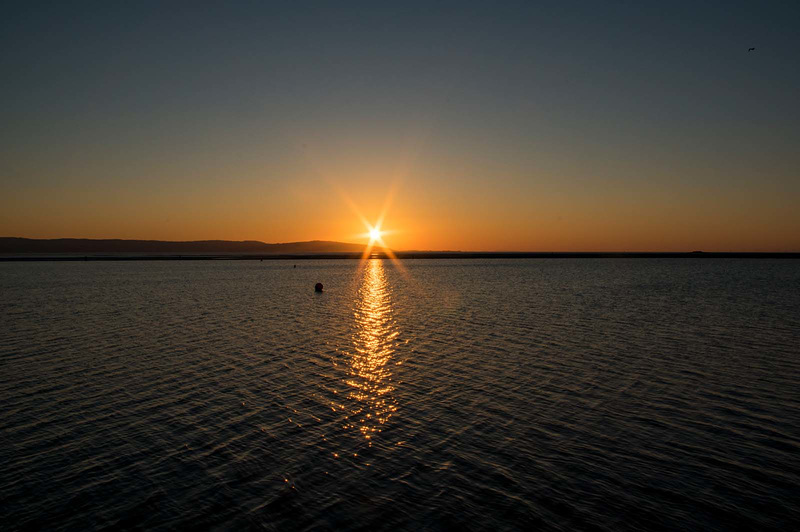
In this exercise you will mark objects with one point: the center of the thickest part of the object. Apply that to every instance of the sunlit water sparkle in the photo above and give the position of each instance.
(499, 394)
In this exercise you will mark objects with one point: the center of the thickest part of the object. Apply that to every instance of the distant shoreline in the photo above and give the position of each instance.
(71, 257)
(13, 249)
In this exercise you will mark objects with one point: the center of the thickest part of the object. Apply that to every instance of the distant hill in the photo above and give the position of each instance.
(86, 245)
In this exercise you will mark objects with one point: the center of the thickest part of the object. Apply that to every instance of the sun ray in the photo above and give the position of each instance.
(387, 203)
(351, 204)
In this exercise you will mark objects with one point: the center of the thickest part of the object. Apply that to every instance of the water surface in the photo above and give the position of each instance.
(592, 394)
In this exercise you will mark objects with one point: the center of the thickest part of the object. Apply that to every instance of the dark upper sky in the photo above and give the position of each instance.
(557, 125)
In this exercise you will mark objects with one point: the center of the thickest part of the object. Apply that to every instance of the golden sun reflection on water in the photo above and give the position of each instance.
(369, 374)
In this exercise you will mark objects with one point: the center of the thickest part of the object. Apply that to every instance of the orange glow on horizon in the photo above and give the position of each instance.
(424, 215)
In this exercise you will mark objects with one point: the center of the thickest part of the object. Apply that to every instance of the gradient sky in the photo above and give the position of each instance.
(541, 126)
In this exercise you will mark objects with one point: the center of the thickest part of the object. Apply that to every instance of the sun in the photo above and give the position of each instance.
(375, 234)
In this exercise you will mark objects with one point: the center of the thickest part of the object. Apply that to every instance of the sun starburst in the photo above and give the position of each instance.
(374, 231)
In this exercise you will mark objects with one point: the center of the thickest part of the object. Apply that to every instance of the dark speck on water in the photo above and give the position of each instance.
(555, 394)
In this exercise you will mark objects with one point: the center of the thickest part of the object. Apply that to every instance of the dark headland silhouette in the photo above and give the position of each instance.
(87, 245)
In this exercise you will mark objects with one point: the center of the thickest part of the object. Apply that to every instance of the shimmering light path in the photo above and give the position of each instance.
(373, 344)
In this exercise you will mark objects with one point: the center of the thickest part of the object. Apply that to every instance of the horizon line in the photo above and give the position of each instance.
(364, 245)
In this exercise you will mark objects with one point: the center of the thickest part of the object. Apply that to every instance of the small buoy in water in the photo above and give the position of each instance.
(318, 287)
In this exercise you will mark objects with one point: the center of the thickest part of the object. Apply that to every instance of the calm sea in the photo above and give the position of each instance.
(574, 394)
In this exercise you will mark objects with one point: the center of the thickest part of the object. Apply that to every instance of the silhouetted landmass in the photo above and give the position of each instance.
(70, 249)
(91, 246)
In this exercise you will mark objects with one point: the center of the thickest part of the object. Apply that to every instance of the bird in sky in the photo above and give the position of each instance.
(750, 49)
